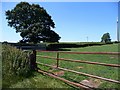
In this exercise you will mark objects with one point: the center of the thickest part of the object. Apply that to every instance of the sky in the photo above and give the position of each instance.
(74, 21)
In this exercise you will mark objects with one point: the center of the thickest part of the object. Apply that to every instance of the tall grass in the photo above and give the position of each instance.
(15, 65)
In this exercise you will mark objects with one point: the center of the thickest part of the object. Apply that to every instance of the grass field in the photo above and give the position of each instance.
(43, 81)
(103, 71)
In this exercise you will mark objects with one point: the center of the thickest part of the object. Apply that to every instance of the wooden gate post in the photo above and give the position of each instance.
(33, 63)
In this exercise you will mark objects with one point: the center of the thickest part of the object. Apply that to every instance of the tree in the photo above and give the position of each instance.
(106, 38)
(37, 35)
(32, 21)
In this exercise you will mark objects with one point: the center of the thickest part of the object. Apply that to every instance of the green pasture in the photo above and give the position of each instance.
(103, 71)
(38, 80)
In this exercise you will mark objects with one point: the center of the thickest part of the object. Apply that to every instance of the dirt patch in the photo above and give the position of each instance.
(50, 70)
(53, 67)
(59, 73)
(54, 70)
(114, 57)
(95, 83)
(79, 67)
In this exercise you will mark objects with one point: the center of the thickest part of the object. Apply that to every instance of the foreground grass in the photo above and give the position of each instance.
(103, 71)
(40, 81)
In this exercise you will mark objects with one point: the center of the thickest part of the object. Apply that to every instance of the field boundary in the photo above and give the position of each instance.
(79, 61)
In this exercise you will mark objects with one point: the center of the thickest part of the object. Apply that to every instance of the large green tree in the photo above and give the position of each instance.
(106, 38)
(32, 22)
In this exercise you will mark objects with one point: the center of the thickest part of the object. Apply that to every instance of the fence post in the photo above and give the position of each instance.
(33, 63)
(57, 59)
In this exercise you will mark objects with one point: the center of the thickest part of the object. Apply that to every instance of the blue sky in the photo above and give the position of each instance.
(74, 21)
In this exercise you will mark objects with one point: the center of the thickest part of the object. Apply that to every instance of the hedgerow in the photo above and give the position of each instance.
(15, 65)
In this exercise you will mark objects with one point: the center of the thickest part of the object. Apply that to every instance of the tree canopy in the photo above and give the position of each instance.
(106, 38)
(33, 23)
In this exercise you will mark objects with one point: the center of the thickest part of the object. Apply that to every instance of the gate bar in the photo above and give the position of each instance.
(70, 52)
(85, 74)
(67, 81)
(80, 61)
